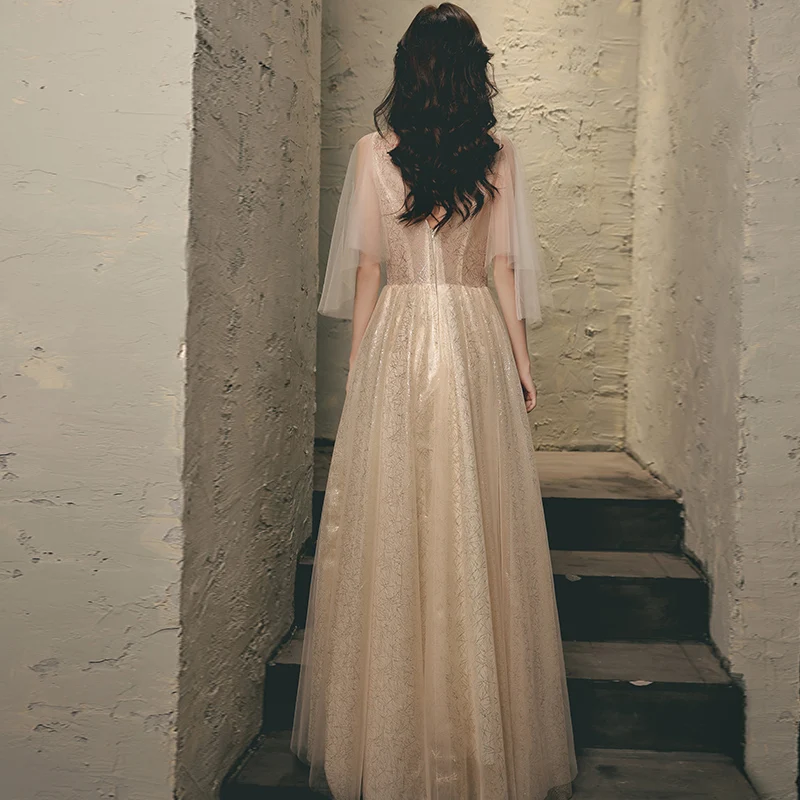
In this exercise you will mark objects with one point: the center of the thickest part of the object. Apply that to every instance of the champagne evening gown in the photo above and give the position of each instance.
(432, 665)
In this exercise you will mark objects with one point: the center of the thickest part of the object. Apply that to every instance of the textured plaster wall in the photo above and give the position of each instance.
(94, 191)
(765, 641)
(714, 368)
(251, 353)
(567, 70)
(690, 192)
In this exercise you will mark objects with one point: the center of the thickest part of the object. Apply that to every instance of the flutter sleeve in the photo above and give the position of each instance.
(357, 233)
(512, 233)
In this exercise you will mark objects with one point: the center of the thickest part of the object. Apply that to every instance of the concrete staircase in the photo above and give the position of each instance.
(655, 715)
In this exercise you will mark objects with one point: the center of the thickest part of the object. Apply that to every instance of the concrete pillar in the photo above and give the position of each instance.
(250, 372)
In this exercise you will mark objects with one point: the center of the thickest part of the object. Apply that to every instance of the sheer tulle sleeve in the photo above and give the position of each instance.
(357, 233)
(512, 233)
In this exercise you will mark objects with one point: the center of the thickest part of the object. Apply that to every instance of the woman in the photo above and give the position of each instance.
(432, 664)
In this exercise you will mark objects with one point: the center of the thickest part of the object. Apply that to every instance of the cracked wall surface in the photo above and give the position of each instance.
(94, 206)
(567, 70)
(714, 367)
(252, 254)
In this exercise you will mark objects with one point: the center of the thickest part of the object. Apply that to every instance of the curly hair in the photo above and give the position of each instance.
(440, 108)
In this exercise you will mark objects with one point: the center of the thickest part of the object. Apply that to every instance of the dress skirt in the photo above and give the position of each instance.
(432, 665)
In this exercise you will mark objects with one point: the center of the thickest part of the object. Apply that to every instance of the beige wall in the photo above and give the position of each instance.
(94, 203)
(765, 642)
(94, 206)
(567, 72)
(690, 193)
(251, 353)
(714, 366)
(93, 315)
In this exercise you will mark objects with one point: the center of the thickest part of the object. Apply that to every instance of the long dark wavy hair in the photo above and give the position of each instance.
(440, 107)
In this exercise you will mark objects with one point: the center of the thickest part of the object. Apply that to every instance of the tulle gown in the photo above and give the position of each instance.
(432, 666)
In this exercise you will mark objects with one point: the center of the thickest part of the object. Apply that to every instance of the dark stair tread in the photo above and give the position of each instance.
(606, 774)
(272, 763)
(624, 595)
(598, 500)
(622, 564)
(647, 695)
(291, 650)
(658, 662)
(607, 595)
(610, 563)
(273, 770)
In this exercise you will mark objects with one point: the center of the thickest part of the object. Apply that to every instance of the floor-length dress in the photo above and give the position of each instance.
(432, 665)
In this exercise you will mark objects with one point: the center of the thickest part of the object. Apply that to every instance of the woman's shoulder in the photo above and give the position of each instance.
(365, 141)
(375, 142)
(503, 139)
(377, 137)
(505, 158)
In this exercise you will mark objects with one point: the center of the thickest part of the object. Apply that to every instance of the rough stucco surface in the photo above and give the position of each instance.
(567, 71)
(689, 189)
(251, 353)
(94, 206)
(765, 640)
(714, 366)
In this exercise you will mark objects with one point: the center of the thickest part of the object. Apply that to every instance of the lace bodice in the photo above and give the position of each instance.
(415, 254)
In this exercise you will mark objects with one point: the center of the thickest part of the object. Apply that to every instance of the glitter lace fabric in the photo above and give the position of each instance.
(432, 665)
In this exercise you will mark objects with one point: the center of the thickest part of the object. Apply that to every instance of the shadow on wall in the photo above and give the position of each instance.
(251, 349)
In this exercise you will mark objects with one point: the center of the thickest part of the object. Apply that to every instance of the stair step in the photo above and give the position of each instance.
(653, 696)
(605, 595)
(273, 772)
(640, 695)
(629, 595)
(660, 698)
(593, 524)
(610, 524)
(606, 774)
(592, 501)
(596, 474)
(665, 662)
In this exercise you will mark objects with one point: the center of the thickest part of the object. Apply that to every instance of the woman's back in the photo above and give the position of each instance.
(460, 252)
(455, 254)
